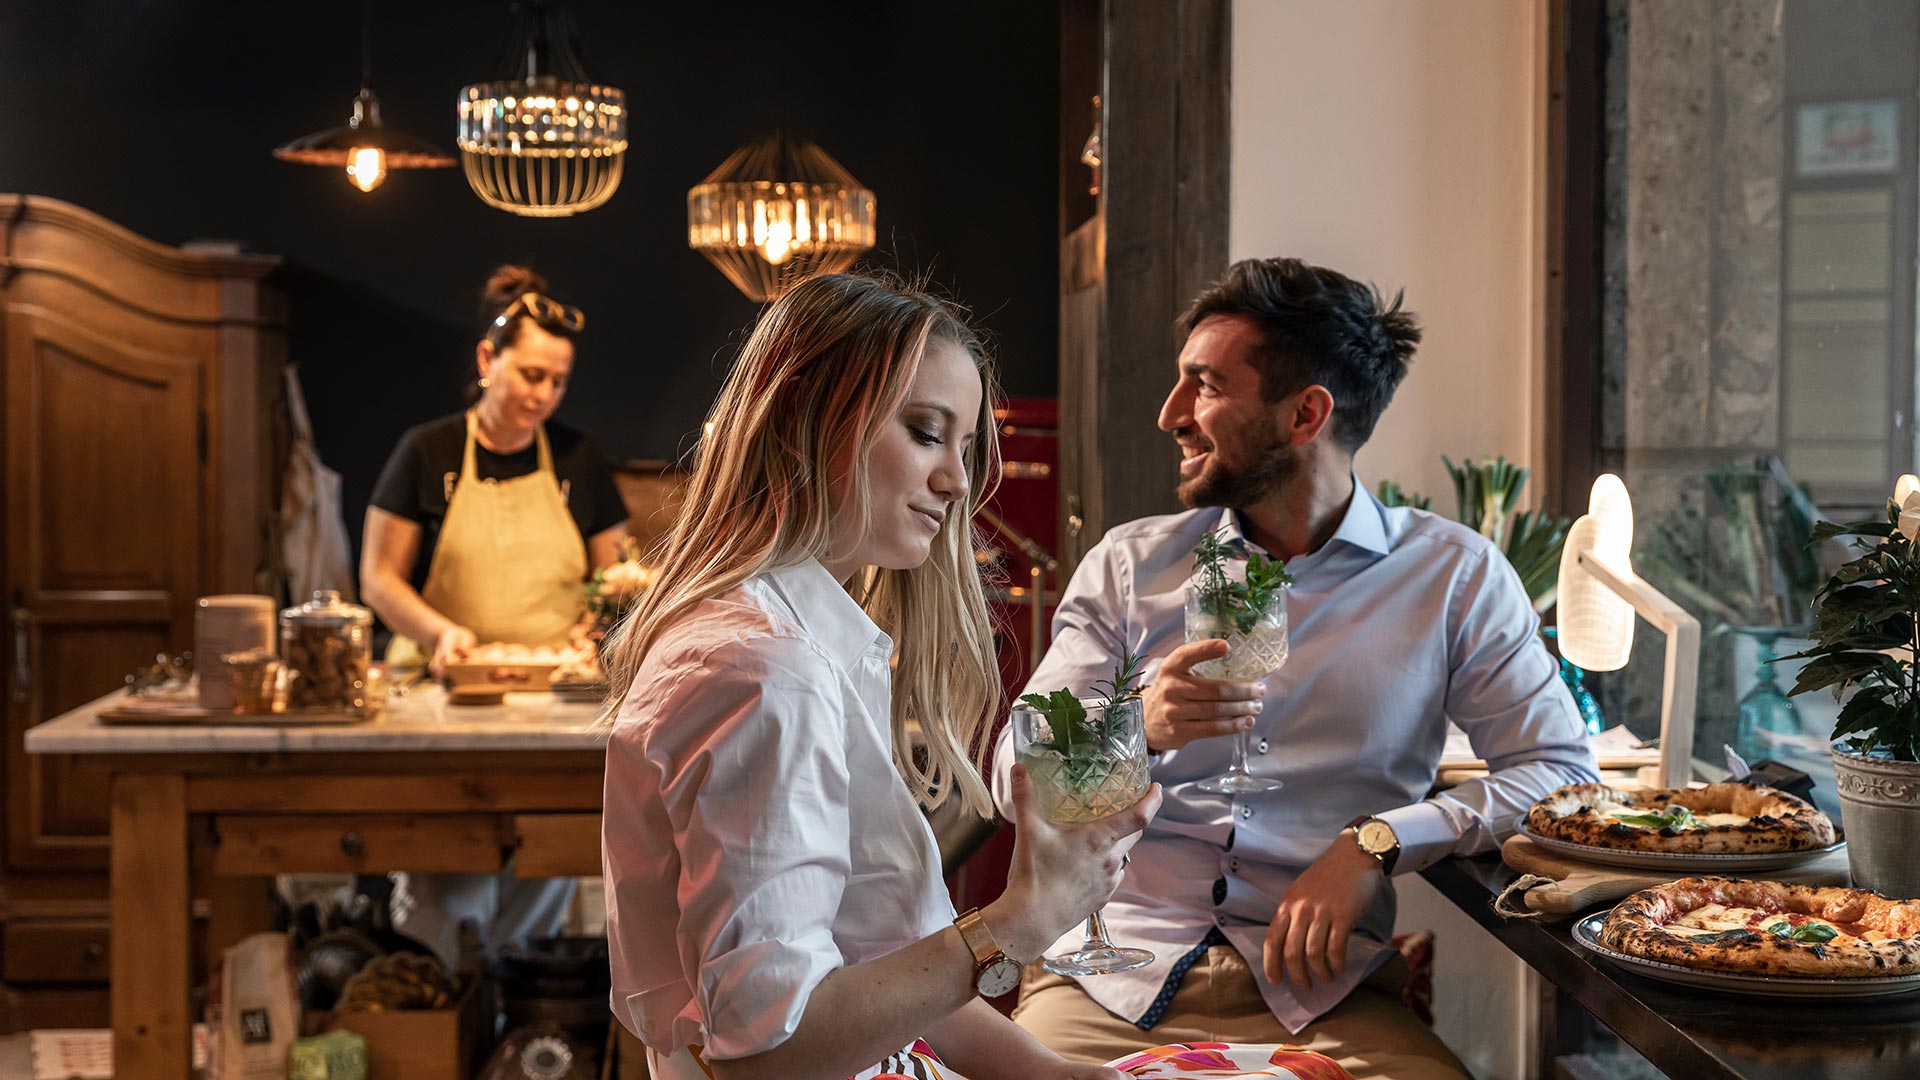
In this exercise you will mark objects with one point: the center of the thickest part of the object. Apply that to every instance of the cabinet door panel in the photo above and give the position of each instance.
(103, 456)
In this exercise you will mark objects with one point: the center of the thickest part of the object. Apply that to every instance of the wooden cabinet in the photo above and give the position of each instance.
(136, 385)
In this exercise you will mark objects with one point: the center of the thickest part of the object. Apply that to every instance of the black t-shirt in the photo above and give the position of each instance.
(426, 464)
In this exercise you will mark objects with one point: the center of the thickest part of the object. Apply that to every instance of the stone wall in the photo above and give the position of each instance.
(1692, 357)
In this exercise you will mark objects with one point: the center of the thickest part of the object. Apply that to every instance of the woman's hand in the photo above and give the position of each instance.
(454, 641)
(1060, 873)
(1182, 706)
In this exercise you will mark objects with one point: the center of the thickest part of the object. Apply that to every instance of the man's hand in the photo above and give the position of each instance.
(1308, 937)
(1182, 707)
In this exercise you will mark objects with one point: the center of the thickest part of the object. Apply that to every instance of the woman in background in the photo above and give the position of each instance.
(775, 903)
(484, 523)
(483, 527)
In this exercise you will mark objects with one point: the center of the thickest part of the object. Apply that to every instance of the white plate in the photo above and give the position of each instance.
(1669, 860)
(1587, 933)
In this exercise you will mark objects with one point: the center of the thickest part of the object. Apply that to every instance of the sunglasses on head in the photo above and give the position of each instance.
(544, 310)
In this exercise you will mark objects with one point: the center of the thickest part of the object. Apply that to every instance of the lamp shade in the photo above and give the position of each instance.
(542, 139)
(778, 212)
(1596, 624)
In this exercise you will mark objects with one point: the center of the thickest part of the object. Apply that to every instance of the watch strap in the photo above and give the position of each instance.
(979, 938)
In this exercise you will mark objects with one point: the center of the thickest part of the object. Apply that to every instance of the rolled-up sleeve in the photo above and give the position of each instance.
(1504, 691)
(755, 786)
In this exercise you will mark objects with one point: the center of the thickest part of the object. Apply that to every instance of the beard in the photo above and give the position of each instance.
(1220, 484)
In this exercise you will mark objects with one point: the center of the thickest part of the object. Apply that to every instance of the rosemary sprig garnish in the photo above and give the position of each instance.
(1224, 598)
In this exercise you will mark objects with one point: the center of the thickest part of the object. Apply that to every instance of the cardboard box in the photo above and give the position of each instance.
(419, 1044)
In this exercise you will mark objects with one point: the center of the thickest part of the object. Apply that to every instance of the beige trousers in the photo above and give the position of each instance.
(1372, 1034)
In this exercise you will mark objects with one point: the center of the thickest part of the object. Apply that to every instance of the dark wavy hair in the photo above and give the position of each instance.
(504, 287)
(1317, 326)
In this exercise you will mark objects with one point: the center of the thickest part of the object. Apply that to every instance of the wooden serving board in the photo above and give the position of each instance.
(180, 716)
(1574, 885)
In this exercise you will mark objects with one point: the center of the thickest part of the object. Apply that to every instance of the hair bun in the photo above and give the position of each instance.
(507, 283)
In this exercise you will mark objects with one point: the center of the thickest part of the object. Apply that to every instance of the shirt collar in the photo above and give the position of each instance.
(835, 623)
(1363, 525)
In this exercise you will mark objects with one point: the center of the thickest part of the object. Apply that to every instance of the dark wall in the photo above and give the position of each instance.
(161, 115)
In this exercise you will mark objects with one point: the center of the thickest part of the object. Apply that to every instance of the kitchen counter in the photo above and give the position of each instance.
(213, 812)
(420, 720)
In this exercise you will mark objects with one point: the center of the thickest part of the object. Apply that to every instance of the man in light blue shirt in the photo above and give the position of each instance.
(1267, 912)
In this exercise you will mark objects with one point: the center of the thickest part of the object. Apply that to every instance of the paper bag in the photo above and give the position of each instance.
(259, 1010)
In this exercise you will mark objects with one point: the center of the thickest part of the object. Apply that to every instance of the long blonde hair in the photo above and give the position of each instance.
(828, 365)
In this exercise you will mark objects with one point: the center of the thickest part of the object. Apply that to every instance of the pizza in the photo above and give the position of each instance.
(1718, 819)
(1768, 928)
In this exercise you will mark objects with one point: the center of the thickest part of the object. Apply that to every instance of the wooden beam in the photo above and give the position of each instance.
(1575, 249)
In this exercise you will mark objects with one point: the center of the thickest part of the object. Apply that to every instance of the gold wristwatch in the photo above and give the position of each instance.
(1376, 838)
(995, 972)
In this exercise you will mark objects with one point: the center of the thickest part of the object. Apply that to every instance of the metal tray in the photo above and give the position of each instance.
(1587, 933)
(1668, 860)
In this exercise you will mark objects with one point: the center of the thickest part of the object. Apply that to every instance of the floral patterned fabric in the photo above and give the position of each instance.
(1226, 1061)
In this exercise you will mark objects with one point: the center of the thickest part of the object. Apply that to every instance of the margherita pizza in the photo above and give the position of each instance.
(1767, 928)
(1718, 819)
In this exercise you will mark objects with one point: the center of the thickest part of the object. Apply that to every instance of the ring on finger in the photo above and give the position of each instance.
(1125, 858)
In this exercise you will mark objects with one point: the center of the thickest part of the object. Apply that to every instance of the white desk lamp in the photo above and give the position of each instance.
(1599, 595)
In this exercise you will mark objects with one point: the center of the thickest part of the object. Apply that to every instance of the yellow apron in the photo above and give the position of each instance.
(510, 560)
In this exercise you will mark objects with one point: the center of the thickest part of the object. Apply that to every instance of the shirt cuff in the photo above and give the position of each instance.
(1425, 833)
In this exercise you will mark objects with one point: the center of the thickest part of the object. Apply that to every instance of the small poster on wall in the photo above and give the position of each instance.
(1848, 138)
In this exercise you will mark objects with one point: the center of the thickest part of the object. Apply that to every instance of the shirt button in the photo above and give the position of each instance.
(1246, 811)
(1221, 918)
(1233, 864)
(1260, 747)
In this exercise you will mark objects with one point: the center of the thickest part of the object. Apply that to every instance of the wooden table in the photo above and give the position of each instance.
(214, 811)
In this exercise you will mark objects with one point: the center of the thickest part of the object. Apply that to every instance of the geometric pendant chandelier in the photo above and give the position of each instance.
(542, 139)
(777, 212)
(365, 147)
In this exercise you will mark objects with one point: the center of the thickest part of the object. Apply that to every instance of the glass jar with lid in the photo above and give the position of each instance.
(327, 646)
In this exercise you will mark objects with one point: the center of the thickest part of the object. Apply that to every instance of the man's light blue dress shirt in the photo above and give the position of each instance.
(1402, 621)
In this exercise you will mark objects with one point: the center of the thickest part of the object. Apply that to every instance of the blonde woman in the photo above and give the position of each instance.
(775, 906)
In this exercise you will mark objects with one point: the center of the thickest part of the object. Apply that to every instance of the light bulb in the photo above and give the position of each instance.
(778, 245)
(366, 167)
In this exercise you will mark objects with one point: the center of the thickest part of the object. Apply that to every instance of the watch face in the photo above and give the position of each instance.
(1376, 837)
(999, 977)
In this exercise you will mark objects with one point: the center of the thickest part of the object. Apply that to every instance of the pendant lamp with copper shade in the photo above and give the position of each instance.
(541, 138)
(364, 146)
(778, 212)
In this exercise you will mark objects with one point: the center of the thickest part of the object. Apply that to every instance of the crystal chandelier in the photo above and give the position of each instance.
(365, 147)
(777, 212)
(544, 140)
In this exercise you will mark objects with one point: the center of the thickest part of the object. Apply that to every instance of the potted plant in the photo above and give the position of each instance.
(1864, 630)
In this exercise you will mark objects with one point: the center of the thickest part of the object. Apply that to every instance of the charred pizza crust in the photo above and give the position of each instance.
(1877, 936)
(1776, 821)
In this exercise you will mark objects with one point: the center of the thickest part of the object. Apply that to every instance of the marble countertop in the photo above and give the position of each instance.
(421, 720)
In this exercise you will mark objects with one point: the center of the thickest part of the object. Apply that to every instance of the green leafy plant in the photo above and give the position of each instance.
(1864, 634)
(1392, 494)
(1486, 493)
(1745, 558)
(1224, 598)
(1079, 738)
